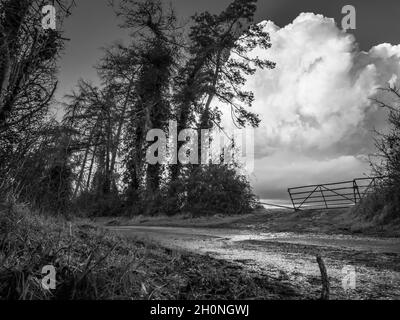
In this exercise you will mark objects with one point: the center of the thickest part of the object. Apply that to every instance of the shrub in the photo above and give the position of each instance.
(218, 189)
(382, 206)
(91, 204)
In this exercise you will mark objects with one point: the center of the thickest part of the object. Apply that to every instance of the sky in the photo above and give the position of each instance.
(315, 106)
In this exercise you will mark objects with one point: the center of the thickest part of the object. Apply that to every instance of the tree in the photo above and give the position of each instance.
(219, 47)
(386, 162)
(28, 60)
(94, 115)
(28, 56)
(163, 74)
(155, 49)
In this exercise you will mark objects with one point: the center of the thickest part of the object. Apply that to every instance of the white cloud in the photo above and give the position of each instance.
(319, 93)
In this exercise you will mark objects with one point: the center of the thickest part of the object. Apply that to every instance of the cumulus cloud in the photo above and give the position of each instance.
(319, 93)
(315, 107)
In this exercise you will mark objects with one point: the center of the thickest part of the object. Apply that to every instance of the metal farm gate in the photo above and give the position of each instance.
(331, 195)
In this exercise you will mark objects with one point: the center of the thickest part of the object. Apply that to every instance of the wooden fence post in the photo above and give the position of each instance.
(324, 278)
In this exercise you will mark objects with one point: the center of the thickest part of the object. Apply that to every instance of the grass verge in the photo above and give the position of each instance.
(92, 263)
(335, 221)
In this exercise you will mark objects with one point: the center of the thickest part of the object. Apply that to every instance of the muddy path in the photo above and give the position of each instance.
(290, 257)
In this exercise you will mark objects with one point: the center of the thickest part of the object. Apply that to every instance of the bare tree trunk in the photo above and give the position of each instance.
(120, 125)
(78, 183)
(91, 168)
(107, 183)
(5, 72)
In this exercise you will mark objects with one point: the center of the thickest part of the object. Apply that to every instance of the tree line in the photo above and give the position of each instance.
(93, 160)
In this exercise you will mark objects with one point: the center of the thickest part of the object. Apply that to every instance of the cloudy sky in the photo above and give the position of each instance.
(315, 107)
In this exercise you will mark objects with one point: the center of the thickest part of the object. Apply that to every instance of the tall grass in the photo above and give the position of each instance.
(382, 206)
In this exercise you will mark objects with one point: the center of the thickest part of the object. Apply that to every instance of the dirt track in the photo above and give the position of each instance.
(290, 257)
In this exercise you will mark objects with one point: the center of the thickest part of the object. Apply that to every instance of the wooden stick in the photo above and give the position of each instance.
(324, 278)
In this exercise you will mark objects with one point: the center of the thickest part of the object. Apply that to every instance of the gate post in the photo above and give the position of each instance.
(355, 188)
(291, 199)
